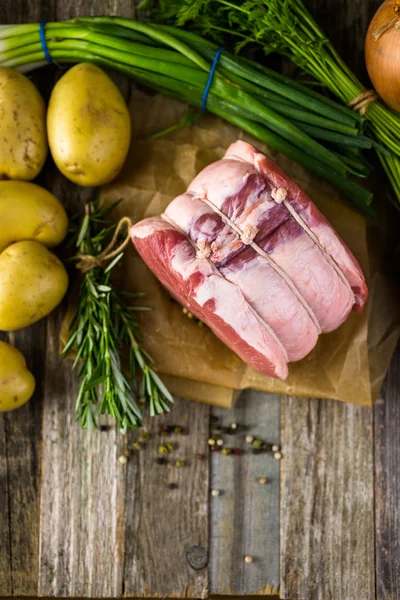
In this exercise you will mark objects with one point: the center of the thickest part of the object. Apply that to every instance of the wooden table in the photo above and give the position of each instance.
(75, 522)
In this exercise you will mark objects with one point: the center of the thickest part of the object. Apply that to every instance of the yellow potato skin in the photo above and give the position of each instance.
(23, 138)
(33, 281)
(88, 126)
(29, 212)
(17, 384)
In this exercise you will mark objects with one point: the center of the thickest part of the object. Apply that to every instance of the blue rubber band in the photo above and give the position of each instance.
(43, 42)
(210, 78)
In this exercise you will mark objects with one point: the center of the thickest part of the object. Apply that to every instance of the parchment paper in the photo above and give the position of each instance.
(348, 364)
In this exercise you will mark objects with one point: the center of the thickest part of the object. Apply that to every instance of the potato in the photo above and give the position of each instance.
(22, 127)
(17, 384)
(88, 125)
(29, 212)
(32, 282)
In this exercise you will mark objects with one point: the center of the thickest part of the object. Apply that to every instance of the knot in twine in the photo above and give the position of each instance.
(87, 262)
(363, 100)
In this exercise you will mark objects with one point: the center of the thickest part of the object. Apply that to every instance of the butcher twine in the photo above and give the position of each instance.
(87, 262)
(363, 100)
(200, 254)
(247, 239)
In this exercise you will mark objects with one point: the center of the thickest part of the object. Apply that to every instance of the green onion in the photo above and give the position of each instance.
(287, 27)
(289, 118)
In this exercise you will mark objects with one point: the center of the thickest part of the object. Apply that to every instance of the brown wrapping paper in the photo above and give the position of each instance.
(348, 364)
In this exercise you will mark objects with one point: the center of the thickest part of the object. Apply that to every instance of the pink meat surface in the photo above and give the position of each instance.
(249, 254)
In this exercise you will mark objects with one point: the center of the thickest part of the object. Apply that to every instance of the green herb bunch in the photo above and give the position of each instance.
(287, 27)
(103, 326)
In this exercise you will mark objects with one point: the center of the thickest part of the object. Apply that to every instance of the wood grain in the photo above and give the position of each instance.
(387, 485)
(166, 530)
(5, 534)
(245, 516)
(327, 508)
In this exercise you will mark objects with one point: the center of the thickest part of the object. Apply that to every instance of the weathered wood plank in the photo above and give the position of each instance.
(5, 545)
(80, 527)
(327, 507)
(166, 527)
(23, 429)
(387, 485)
(245, 516)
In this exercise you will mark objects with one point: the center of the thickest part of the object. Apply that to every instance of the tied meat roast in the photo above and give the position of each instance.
(248, 253)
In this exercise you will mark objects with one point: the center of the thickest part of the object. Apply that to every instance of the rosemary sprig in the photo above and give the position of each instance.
(103, 325)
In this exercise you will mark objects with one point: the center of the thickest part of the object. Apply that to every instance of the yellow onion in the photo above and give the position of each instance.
(382, 52)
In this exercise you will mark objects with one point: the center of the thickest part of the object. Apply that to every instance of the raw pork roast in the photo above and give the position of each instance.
(248, 253)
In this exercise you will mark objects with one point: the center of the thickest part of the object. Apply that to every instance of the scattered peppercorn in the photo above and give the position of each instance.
(161, 461)
(137, 445)
(248, 559)
(275, 448)
(179, 463)
(185, 431)
(172, 486)
(220, 442)
(249, 439)
(257, 443)
(127, 453)
(123, 460)
(215, 493)
(226, 451)
(215, 448)
(190, 315)
(144, 436)
(257, 451)
(170, 447)
(218, 429)
(278, 455)
(234, 425)
(211, 442)
(185, 311)
(162, 449)
(200, 457)
(104, 427)
(177, 429)
(237, 451)
(263, 480)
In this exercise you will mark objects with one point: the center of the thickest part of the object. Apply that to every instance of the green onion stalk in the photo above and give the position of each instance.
(287, 27)
(311, 129)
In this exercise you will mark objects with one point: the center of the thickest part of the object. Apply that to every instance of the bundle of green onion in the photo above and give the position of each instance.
(314, 131)
(287, 27)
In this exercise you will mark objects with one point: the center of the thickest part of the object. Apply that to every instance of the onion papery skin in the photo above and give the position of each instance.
(382, 52)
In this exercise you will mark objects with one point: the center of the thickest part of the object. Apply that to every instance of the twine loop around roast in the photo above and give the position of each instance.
(87, 262)
(363, 100)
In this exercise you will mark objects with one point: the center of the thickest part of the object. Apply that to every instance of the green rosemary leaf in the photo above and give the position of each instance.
(113, 263)
(101, 327)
